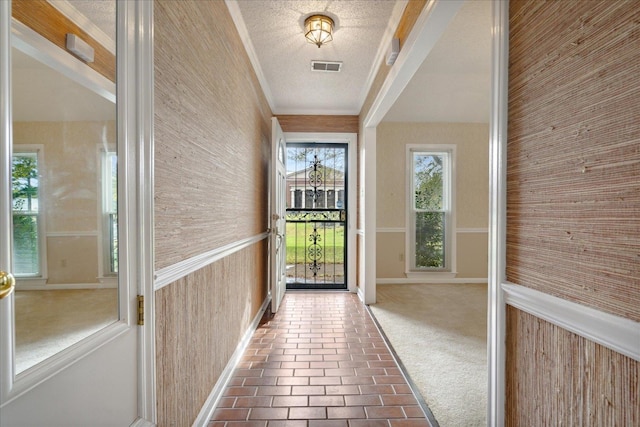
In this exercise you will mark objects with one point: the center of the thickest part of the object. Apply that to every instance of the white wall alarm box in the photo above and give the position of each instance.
(79, 47)
(395, 50)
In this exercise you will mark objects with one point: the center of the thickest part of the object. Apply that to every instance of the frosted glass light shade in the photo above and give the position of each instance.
(318, 29)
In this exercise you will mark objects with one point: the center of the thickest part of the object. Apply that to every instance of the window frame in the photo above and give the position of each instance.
(41, 277)
(449, 202)
(104, 243)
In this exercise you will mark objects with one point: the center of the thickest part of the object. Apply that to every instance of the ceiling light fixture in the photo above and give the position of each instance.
(318, 29)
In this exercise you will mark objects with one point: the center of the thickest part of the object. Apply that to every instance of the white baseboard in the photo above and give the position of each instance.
(141, 422)
(614, 332)
(206, 413)
(403, 230)
(64, 286)
(403, 280)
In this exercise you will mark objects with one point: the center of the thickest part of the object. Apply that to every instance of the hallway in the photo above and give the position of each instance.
(319, 362)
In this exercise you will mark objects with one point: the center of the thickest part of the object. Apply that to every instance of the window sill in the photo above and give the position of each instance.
(30, 282)
(430, 274)
(108, 280)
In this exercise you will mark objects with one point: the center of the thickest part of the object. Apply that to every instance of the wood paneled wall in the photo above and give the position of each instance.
(303, 123)
(45, 19)
(200, 320)
(573, 203)
(213, 131)
(409, 17)
(212, 149)
(557, 378)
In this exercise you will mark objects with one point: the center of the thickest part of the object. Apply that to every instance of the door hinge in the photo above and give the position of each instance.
(140, 310)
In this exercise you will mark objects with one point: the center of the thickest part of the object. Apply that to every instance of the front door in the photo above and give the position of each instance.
(68, 331)
(316, 215)
(278, 213)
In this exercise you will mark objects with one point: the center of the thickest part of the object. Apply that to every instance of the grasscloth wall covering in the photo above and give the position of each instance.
(212, 146)
(213, 133)
(201, 319)
(573, 203)
(559, 378)
(573, 172)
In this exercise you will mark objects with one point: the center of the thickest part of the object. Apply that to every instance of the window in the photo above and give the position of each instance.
(27, 225)
(110, 212)
(430, 224)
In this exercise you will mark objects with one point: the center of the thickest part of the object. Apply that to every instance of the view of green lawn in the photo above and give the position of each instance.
(331, 241)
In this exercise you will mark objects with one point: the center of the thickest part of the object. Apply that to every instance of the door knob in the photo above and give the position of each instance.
(7, 284)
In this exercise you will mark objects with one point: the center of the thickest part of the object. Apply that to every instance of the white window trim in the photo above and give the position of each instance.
(40, 279)
(103, 275)
(450, 243)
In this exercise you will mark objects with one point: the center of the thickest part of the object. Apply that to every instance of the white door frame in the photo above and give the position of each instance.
(277, 211)
(351, 139)
(141, 15)
(433, 20)
(135, 139)
(496, 321)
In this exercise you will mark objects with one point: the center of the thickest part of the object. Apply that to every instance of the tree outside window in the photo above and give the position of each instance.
(429, 209)
(25, 192)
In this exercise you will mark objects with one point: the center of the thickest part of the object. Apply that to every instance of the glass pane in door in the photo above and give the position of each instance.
(64, 190)
(316, 216)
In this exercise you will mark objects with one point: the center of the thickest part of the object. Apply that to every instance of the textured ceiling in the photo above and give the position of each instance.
(452, 85)
(276, 32)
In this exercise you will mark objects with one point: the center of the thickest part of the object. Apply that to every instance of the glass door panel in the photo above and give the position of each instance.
(64, 202)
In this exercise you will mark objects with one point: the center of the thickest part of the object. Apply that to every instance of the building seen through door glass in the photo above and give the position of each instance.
(316, 215)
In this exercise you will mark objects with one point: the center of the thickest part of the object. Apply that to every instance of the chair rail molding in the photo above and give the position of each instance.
(614, 332)
(170, 274)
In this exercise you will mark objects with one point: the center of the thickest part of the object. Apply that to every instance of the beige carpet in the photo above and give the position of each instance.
(50, 321)
(439, 333)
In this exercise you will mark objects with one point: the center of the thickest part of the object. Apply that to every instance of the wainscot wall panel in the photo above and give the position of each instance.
(573, 203)
(573, 173)
(212, 133)
(561, 379)
(200, 320)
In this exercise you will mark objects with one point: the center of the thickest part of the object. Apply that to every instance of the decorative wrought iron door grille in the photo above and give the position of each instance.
(316, 215)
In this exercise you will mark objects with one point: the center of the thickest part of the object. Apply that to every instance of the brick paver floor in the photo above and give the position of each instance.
(319, 362)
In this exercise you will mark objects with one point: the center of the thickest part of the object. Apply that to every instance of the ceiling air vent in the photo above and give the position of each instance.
(327, 66)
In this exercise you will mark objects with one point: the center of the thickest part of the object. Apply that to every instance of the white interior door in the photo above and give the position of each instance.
(92, 380)
(278, 215)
